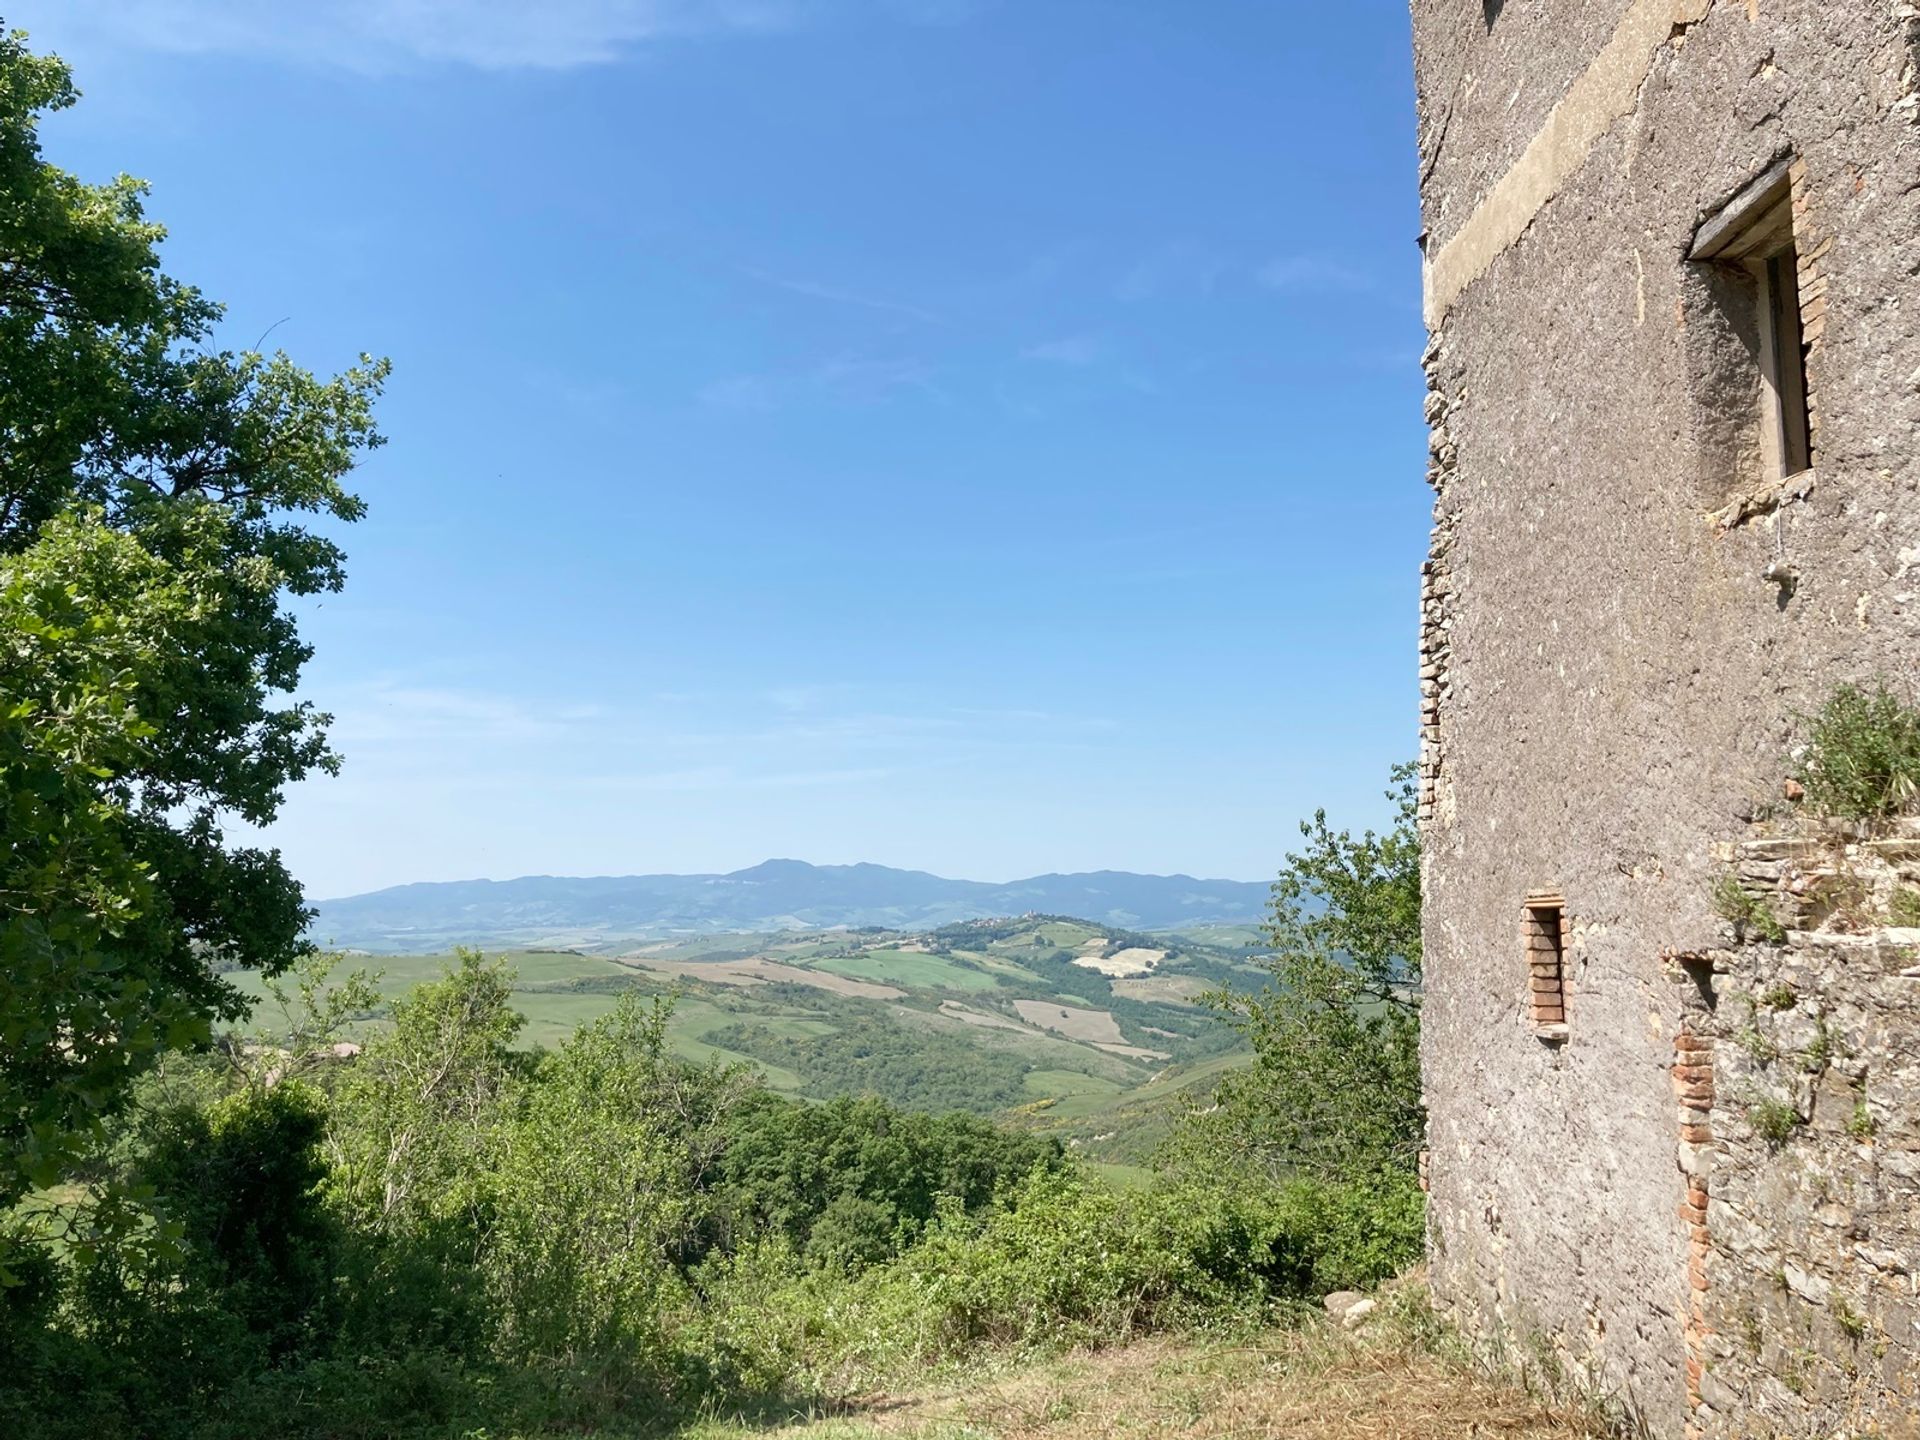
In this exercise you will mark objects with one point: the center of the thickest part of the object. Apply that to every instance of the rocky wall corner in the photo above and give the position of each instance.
(1797, 1087)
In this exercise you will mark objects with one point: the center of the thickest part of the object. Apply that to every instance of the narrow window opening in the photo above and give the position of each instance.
(1545, 936)
(1753, 236)
(1786, 365)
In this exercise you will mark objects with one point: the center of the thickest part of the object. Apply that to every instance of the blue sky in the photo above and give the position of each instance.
(979, 437)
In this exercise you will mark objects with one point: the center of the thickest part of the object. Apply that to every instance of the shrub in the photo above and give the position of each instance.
(1334, 1090)
(1774, 1121)
(1731, 901)
(243, 1179)
(1357, 1233)
(1862, 757)
(1063, 1261)
(595, 1197)
(853, 1181)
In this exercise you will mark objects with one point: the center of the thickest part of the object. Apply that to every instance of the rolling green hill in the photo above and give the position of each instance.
(1055, 1024)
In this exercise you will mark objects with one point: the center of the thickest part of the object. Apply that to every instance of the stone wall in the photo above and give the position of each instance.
(1438, 582)
(1798, 1078)
(1620, 617)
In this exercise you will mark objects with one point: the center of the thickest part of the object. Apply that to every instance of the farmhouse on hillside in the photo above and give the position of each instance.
(1672, 1037)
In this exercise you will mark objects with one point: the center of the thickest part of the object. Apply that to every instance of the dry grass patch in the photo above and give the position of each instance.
(1097, 1028)
(985, 1019)
(1318, 1383)
(1164, 989)
(1123, 963)
(1094, 1027)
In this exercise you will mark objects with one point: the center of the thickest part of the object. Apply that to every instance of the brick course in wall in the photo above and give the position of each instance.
(1810, 248)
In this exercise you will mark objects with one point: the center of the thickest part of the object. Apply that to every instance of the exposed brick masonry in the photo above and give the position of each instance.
(1545, 931)
(1693, 1089)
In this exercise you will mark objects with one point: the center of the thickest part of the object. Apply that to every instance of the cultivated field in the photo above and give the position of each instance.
(993, 1016)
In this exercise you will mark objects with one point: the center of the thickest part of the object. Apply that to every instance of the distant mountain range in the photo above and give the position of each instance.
(779, 895)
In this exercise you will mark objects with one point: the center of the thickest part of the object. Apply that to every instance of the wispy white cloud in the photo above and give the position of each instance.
(383, 714)
(837, 296)
(1305, 274)
(1179, 269)
(726, 777)
(842, 381)
(817, 733)
(384, 35)
(1077, 351)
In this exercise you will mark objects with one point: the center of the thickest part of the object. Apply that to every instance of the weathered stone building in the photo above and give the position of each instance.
(1673, 284)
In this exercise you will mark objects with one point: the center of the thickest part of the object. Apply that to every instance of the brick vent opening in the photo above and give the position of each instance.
(1545, 932)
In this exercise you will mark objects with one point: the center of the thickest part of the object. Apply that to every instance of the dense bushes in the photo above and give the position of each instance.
(444, 1233)
(1063, 1260)
(849, 1182)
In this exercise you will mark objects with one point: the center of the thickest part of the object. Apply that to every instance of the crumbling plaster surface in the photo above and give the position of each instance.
(1612, 682)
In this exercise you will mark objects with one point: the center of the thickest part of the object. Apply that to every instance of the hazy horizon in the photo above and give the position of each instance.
(316, 897)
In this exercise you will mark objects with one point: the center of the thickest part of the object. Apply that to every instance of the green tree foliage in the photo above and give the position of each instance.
(156, 494)
(243, 1179)
(601, 1182)
(1334, 1090)
(850, 1182)
(84, 615)
(415, 1121)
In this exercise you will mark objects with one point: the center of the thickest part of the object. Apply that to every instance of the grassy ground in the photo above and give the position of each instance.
(1077, 1095)
(1317, 1383)
(916, 971)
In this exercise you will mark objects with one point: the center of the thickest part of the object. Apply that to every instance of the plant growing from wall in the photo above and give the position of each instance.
(1820, 1050)
(1861, 760)
(1903, 909)
(1747, 912)
(1861, 1126)
(1760, 1047)
(1774, 1121)
(1851, 1322)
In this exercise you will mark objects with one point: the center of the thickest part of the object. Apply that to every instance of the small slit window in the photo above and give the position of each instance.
(1544, 935)
(1753, 235)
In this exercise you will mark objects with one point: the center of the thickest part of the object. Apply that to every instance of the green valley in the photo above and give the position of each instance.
(1060, 1026)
